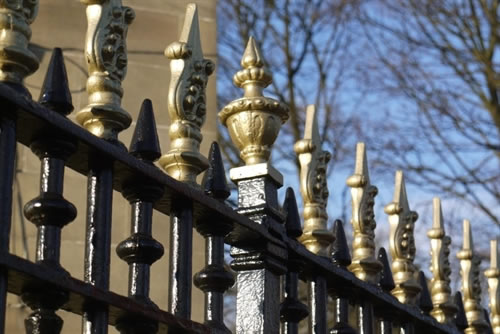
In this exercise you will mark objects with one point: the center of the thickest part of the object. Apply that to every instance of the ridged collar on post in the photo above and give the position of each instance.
(106, 58)
(364, 263)
(254, 120)
(493, 275)
(313, 187)
(471, 284)
(444, 308)
(187, 104)
(402, 243)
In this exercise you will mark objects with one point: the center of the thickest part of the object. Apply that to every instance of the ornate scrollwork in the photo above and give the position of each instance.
(444, 308)
(402, 243)
(187, 102)
(313, 187)
(106, 56)
(493, 275)
(471, 284)
(364, 264)
(16, 60)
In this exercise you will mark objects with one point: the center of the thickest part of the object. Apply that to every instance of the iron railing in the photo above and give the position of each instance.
(270, 251)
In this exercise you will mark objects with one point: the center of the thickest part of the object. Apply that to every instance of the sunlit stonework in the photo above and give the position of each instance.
(187, 101)
(471, 284)
(493, 275)
(402, 243)
(313, 162)
(254, 120)
(444, 308)
(364, 263)
(106, 57)
(16, 60)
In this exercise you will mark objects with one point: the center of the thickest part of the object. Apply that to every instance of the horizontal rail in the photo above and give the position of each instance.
(33, 120)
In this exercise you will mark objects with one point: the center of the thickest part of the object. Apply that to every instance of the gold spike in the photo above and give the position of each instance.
(402, 243)
(471, 286)
(16, 60)
(364, 263)
(106, 56)
(493, 275)
(254, 120)
(187, 102)
(313, 187)
(444, 308)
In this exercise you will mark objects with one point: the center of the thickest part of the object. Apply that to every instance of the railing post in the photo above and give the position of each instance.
(493, 275)
(16, 62)
(253, 123)
(314, 189)
(106, 57)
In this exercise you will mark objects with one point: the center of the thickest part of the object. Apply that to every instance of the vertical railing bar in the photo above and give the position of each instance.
(386, 283)
(318, 298)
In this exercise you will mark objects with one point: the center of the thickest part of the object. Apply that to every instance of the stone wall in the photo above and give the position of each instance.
(62, 23)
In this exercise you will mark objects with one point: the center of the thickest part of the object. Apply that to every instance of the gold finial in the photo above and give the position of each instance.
(493, 275)
(16, 60)
(254, 120)
(313, 187)
(471, 286)
(444, 308)
(106, 56)
(364, 263)
(187, 102)
(402, 243)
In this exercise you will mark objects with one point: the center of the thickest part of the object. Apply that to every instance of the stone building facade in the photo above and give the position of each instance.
(62, 23)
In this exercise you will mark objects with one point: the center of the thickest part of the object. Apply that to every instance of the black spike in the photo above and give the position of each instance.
(386, 281)
(424, 300)
(460, 318)
(292, 222)
(145, 144)
(340, 250)
(214, 181)
(487, 318)
(55, 94)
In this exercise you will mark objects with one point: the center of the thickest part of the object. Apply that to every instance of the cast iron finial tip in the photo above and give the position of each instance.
(340, 250)
(292, 222)
(460, 318)
(145, 144)
(214, 181)
(55, 94)
(424, 301)
(386, 280)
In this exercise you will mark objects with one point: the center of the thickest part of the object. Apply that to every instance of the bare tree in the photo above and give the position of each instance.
(436, 66)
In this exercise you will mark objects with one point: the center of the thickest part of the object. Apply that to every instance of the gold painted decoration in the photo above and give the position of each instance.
(106, 57)
(493, 275)
(313, 187)
(187, 101)
(471, 285)
(364, 264)
(254, 120)
(444, 309)
(402, 243)
(16, 60)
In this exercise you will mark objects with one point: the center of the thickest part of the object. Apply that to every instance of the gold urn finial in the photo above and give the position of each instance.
(106, 57)
(444, 308)
(187, 104)
(493, 275)
(402, 243)
(254, 120)
(471, 285)
(364, 263)
(313, 187)
(16, 60)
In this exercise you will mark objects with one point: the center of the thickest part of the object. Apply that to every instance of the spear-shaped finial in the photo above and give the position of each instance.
(493, 275)
(313, 186)
(214, 181)
(364, 264)
(292, 222)
(254, 120)
(424, 299)
(460, 318)
(386, 281)
(145, 144)
(55, 94)
(471, 285)
(444, 309)
(187, 102)
(339, 249)
(402, 243)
